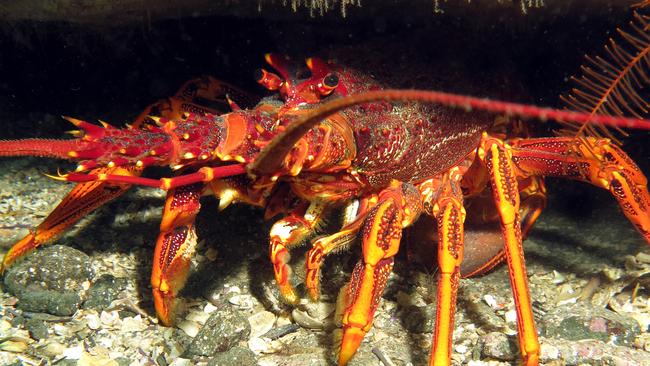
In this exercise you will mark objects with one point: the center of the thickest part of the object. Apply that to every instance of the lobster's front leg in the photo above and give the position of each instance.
(398, 206)
(335, 242)
(287, 233)
(594, 160)
(174, 249)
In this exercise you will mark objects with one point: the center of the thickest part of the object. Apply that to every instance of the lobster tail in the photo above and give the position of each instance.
(46, 148)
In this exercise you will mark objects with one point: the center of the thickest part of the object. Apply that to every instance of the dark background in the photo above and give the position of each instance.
(112, 70)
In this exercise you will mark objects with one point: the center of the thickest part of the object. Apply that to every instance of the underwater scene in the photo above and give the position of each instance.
(325, 182)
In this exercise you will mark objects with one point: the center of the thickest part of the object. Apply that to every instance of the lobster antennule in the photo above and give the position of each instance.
(272, 156)
(46, 148)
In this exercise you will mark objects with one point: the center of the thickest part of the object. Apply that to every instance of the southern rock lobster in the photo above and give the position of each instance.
(338, 139)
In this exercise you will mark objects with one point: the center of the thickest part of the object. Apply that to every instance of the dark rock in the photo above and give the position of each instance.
(17, 321)
(104, 291)
(581, 322)
(160, 360)
(419, 319)
(50, 280)
(224, 329)
(126, 313)
(281, 331)
(182, 338)
(236, 356)
(497, 346)
(37, 329)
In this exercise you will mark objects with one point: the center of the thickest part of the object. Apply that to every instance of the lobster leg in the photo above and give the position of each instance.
(287, 233)
(192, 97)
(398, 206)
(325, 245)
(447, 207)
(83, 199)
(532, 193)
(498, 158)
(175, 247)
(592, 160)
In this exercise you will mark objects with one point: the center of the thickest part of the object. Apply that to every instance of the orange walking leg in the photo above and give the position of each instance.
(335, 242)
(286, 234)
(498, 158)
(175, 247)
(83, 199)
(447, 207)
(398, 206)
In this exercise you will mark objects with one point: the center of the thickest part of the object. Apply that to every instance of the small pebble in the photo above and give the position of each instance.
(60, 329)
(198, 316)
(14, 345)
(109, 318)
(92, 321)
(73, 353)
(549, 352)
(511, 316)
(305, 320)
(209, 308)
(53, 349)
(461, 348)
(261, 322)
(189, 327)
(497, 345)
(490, 300)
(133, 324)
(257, 345)
(242, 301)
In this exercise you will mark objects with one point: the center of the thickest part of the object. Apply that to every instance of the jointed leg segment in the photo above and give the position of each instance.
(286, 234)
(83, 199)
(447, 207)
(592, 160)
(337, 241)
(498, 158)
(175, 247)
(398, 206)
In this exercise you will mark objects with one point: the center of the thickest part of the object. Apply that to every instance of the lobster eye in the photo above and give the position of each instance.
(331, 81)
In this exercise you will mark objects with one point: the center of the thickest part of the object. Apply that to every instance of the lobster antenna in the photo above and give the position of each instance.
(610, 85)
(272, 155)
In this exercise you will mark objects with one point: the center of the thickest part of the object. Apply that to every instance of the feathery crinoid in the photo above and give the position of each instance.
(615, 84)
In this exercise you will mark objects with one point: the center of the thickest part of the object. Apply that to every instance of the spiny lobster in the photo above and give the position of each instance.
(337, 139)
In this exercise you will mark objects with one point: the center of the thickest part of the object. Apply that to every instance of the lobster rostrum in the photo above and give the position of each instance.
(337, 139)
